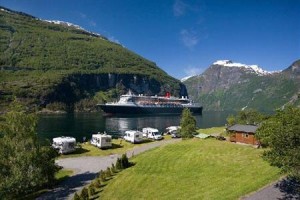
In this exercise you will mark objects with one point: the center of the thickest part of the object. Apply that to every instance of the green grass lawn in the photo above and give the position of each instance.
(212, 130)
(120, 146)
(193, 169)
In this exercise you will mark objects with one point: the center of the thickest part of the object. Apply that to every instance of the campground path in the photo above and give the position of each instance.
(284, 189)
(86, 168)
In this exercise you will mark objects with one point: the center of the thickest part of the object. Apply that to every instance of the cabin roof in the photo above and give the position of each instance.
(243, 128)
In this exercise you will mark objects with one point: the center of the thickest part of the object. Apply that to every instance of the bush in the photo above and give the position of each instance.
(84, 195)
(108, 172)
(102, 176)
(91, 189)
(76, 197)
(125, 162)
(97, 183)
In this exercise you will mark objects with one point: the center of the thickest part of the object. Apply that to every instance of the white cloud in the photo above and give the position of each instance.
(179, 8)
(189, 38)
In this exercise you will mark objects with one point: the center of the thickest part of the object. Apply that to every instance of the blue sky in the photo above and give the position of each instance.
(184, 37)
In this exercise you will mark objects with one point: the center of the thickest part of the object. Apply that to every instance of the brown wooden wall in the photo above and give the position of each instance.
(246, 138)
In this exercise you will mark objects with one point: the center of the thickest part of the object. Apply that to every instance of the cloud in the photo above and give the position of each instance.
(189, 38)
(179, 8)
(193, 71)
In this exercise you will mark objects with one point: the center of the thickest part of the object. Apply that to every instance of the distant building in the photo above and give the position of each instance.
(243, 134)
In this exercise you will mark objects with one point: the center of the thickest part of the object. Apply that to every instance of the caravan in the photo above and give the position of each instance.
(152, 133)
(101, 141)
(133, 136)
(64, 144)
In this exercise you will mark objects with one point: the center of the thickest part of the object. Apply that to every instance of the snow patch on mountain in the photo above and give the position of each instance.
(253, 68)
(4, 10)
(64, 24)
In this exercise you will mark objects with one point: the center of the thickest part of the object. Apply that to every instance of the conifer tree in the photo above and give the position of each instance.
(188, 124)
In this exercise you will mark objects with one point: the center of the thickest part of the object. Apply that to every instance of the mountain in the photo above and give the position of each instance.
(227, 85)
(59, 65)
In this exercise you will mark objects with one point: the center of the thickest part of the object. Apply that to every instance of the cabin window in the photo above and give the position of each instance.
(245, 135)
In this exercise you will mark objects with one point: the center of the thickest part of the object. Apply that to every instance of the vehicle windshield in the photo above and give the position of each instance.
(156, 133)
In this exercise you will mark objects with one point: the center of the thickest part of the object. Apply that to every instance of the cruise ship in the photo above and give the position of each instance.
(139, 104)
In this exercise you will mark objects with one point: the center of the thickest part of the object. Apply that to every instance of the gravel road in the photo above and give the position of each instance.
(86, 169)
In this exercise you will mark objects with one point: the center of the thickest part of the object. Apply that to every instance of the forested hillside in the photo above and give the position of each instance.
(64, 67)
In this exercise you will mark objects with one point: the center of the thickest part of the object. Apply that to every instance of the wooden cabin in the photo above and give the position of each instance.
(243, 134)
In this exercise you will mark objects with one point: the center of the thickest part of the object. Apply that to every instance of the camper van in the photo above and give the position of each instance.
(173, 131)
(101, 141)
(64, 144)
(133, 136)
(152, 133)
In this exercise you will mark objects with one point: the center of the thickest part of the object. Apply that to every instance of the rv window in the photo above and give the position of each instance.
(108, 140)
(71, 145)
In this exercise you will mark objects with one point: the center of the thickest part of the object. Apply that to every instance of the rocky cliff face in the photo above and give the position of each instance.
(226, 85)
(79, 86)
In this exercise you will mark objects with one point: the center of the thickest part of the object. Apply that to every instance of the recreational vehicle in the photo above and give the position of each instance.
(133, 136)
(64, 144)
(152, 133)
(101, 141)
(173, 131)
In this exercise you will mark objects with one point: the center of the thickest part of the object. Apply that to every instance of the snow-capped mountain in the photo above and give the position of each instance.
(71, 25)
(251, 68)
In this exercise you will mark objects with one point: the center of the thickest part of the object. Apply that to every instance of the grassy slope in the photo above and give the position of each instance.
(37, 56)
(193, 169)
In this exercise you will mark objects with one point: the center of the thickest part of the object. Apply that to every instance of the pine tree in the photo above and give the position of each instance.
(188, 124)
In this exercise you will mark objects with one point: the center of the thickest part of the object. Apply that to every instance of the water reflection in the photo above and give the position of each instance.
(81, 125)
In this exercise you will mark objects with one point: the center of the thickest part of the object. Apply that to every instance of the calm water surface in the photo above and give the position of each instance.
(81, 125)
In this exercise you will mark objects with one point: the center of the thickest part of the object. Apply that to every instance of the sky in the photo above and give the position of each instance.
(184, 37)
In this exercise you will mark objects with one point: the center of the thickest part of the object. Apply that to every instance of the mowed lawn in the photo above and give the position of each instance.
(193, 169)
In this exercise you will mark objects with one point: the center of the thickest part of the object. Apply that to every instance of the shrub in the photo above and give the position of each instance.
(102, 176)
(108, 172)
(124, 160)
(84, 195)
(91, 189)
(119, 165)
(76, 197)
(97, 183)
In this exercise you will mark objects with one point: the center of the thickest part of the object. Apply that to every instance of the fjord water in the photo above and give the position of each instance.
(80, 125)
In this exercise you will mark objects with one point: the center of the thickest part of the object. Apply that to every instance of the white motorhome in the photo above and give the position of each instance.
(133, 136)
(101, 141)
(152, 133)
(173, 131)
(64, 144)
